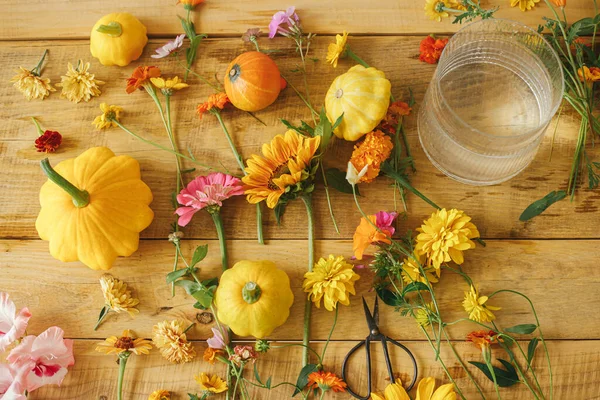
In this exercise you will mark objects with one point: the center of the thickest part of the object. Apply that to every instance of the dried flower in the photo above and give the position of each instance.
(125, 343)
(109, 117)
(210, 354)
(353, 176)
(326, 381)
(140, 76)
(32, 85)
(332, 280)
(524, 5)
(366, 233)
(48, 142)
(169, 48)
(219, 340)
(160, 395)
(243, 354)
(412, 273)
(168, 86)
(12, 324)
(79, 84)
(372, 152)
(190, 4)
(175, 237)
(170, 339)
(215, 101)
(444, 236)
(431, 49)
(251, 35)
(262, 345)
(422, 315)
(117, 296)
(336, 50)
(206, 191)
(211, 384)
(591, 74)
(287, 17)
(475, 306)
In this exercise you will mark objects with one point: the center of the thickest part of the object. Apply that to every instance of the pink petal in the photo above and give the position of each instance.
(47, 376)
(11, 327)
(218, 341)
(49, 344)
(185, 215)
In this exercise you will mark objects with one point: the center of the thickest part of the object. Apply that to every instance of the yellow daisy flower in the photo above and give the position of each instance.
(426, 390)
(160, 395)
(336, 50)
(393, 391)
(125, 343)
(109, 113)
(444, 236)
(32, 85)
(434, 10)
(524, 5)
(170, 339)
(475, 306)
(422, 315)
(117, 297)
(331, 280)
(78, 84)
(167, 86)
(411, 272)
(211, 384)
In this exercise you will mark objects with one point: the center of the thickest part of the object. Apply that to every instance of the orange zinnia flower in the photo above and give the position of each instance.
(431, 49)
(140, 76)
(190, 4)
(326, 381)
(215, 100)
(559, 3)
(591, 74)
(374, 150)
(210, 354)
(482, 338)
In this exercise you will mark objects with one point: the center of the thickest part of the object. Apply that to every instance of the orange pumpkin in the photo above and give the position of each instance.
(252, 81)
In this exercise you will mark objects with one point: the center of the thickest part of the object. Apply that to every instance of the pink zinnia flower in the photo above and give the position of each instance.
(170, 47)
(288, 17)
(218, 341)
(204, 191)
(12, 326)
(243, 354)
(384, 221)
(45, 358)
(12, 382)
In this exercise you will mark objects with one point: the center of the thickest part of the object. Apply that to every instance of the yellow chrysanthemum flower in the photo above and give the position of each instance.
(109, 115)
(160, 395)
(444, 236)
(211, 384)
(167, 86)
(170, 339)
(475, 306)
(393, 391)
(78, 84)
(118, 345)
(332, 280)
(422, 314)
(117, 297)
(434, 10)
(411, 272)
(31, 85)
(524, 5)
(336, 50)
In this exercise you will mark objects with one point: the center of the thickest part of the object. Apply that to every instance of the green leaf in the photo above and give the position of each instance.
(268, 383)
(337, 180)
(533, 343)
(199, 306)
(302, 380)
(256, 375)
(189, 286)
(338, 121)
(193, 396)
(504, 378)
(539, 206)
(523, 329)
(199, 254)
(389, 297)
(204, 296)
(187, 171)
(210, 282)
(173, 276)
(414, 287)
(279, 210)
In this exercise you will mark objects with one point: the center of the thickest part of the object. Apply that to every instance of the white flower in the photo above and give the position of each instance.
(169, 48)
(353, 176)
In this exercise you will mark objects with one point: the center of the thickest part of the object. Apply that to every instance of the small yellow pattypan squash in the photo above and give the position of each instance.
(118, 39)
(93, 208)
(254, 298)
(363, 96)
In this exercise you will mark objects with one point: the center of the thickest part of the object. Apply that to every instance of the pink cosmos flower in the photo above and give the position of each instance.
(12, 326)
(384, 221)
(204, 191)
(45, 358)
(218, 341)
(12, 383)
(170, 47)
(288, 17)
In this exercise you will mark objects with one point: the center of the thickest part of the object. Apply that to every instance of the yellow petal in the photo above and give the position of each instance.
(425, 388)
(395, 391)
(444, 392)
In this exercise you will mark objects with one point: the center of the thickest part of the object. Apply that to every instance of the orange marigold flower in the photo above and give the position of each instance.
(140, 76)
(431, 49)
(48, 142)
(374, 150)
(591, 74)
(215, 100)
(482, 338)
(210, 354)
(326, 381)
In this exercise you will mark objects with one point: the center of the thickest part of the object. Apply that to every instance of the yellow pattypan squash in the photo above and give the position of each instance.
(118, 39)
(93, 208)
(363, 96)
(254, 298)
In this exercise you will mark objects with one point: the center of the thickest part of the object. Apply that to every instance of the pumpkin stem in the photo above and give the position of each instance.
(113, 29)
(251, 292)
(234, 73)
(81, 198)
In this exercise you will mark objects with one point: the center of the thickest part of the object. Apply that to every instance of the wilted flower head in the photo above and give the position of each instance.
(110, 114)
(12, 324)
(332, 280)
(170, 47)
(170, 339)
(78, 84)
(286, 18)
(32, 85)
(251, 35)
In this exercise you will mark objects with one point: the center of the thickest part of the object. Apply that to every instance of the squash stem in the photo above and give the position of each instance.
(113, 29)
(216, 217)
(307, 199)
(81, 198)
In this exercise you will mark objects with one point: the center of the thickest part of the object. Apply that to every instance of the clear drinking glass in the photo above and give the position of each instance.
(497, 85)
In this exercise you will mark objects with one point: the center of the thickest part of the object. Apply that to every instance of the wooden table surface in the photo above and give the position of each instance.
(553, 258)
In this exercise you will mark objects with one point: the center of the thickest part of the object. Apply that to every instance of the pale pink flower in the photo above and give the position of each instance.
(384, 221)
(288, 17)
(12, 382)
(170, 47)
(45, 357)
(12, 325)
(204, 191)
(243, 354)
(218, 341)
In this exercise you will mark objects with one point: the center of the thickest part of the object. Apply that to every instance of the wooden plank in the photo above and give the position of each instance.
(69, 294)
(576, 371)
(495, 209)
(57, 19)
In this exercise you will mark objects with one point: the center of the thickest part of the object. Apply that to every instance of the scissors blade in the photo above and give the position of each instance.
(371, 322)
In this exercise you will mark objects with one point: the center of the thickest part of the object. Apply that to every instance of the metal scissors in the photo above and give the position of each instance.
(375, 335)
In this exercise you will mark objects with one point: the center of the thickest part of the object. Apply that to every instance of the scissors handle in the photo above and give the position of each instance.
(367, 344)
(410, 355)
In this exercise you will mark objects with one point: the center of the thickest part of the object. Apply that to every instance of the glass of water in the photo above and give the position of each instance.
(497, 85)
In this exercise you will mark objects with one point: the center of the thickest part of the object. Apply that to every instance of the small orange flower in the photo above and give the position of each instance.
(431, 49)
(374, 150)
(140, 76)
(215, 100)
(48, 142)
(395, 112)
(366, 234)
(190, 4)
(326, 381)
(210, 354)
(482, 338)
(591, 74)
(559, 3)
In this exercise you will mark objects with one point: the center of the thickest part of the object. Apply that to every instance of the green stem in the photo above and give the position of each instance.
(355, 57)
(216, 217)
(310, 107)
(461, 362)
(402, 181)
(37, 70)
(335, 317)
(305, 79)
(113, 29)
(308, 349)
(37, 125)
(307, 199)
(493, 373)
(172, 140)
(104, 313)
(197, 75)
(122, 364)
(335, 225)
(81, 198)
